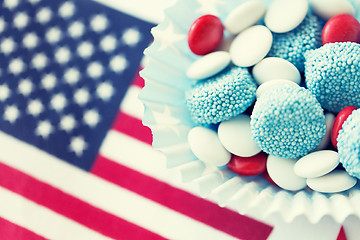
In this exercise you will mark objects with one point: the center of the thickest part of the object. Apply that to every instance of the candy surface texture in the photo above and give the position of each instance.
(284, 15)
(274, 83)
(222, 97)
(281, 171)
(235, 135)
(292, 45)
(336, 181)
(272, 68)
(205, 145)
(251, 46)
(327, 9)
(248, 166)
(316, 164)
(208, 65)
(339, 121)
(287, 122)
(244, 16)
(332, 74)
(348, 144)
(341, 28)
(205, 34)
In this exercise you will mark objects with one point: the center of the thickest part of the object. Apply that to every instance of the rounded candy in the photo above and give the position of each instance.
(327, 9)
(332, 74)
(292, 45)
(339, 121)
(251, 46)
(316, 164)
(205, 34)
(336, 181)
(271, 68)
(341, 28)
(235, 136)
(244, 16)
(268, 178)
(348, 144)
(281, 171)
(208, 65)
(274, 83)
(248, 166)
(205, 145)
(284, 15)
(329, 121)
(287, 122)
(221, 97)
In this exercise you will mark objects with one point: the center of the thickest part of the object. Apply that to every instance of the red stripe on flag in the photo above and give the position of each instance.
(9, 230)
(133, 127)
(71, 207)
(183, 202)
(138, 81)
(342, 235)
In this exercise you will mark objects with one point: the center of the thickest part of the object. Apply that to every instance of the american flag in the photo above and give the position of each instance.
(75, 160)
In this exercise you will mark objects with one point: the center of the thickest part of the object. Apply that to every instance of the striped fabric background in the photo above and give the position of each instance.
(124, 191)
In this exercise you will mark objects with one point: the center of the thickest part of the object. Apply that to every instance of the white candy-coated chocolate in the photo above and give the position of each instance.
(251, 46)
(317, 164)
(244, 16)
(325, 141)
(327, 9)
(208, 65)
(336, 181)
(271, 68)
(281, 171)
(285, 15)
(273, 83)
(205, 145)
(235, 136)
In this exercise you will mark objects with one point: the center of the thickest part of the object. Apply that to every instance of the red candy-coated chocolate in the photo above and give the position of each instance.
(205, 34)
(341, 28)
(248, 166)
(339, 120)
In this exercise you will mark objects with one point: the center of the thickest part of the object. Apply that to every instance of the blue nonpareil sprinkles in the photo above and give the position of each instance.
(287, 122)
(292, 45)
(332, 74)
(348, 144)
(221, 97)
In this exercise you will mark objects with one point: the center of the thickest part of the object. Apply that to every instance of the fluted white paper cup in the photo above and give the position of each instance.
(166, 114)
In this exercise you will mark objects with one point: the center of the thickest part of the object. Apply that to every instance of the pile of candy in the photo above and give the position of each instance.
(267, 104)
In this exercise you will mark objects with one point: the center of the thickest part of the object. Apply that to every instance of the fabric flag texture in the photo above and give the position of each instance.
(75, 160)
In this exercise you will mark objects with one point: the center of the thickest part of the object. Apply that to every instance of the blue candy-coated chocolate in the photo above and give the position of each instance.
(221, 97)
(287, 122)
(348, 144)
(332, 74)
(292, 45)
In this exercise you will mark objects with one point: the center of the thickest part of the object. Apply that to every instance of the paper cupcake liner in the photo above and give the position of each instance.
(167, 116)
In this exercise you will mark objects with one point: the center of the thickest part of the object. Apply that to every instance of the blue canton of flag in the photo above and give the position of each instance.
(65, 67)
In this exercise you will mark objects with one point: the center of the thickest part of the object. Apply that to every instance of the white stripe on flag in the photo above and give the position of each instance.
(102, 194)
(120, 148)
(130, 104)
(41, 220)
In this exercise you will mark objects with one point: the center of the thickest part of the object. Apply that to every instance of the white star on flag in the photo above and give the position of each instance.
(4, 92)
(25, 87)
(67, 123)
(168, 37)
